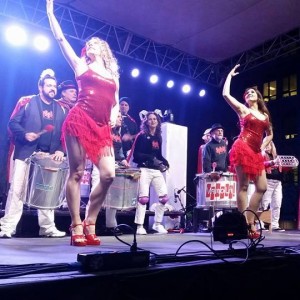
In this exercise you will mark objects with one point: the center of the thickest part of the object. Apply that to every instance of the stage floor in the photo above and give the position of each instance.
(26, 251)
(44, 267)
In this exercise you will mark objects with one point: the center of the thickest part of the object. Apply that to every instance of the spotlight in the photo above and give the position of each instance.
(186, 88)
(16, 35)
(170, 84)
(153, 78)
(135, 73)
(41, 43)
(202, 93)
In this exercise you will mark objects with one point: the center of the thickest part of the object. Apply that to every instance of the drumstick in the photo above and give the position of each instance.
(47, 128)
(214, 165)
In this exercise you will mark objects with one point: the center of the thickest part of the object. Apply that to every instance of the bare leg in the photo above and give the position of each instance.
(242, 187)
(107, 166)
(260, 188)
(242, 200)
(76, 157)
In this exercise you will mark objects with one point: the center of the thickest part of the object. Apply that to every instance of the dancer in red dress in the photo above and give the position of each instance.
(87, 129)
(245, 154)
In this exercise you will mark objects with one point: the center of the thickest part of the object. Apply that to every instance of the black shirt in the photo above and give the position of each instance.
(215, 151)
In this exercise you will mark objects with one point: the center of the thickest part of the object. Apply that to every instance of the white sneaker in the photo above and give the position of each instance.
(53, 233)
(5, 234)
(159, 228)
(141, 231)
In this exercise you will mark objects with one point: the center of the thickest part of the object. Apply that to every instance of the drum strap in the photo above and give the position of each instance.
(132, 148)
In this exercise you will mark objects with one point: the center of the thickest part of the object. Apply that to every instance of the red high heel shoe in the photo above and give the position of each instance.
(91, 238)
(253, 234)
(77, 239)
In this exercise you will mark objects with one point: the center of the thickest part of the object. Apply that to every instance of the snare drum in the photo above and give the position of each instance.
(46, 182)
(219, 193)
(123, 192)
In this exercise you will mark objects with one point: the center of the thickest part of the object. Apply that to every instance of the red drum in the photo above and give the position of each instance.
(123, 192)
(218, 191)
(46, 182)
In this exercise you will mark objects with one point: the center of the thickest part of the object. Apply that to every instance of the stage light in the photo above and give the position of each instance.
(170, 84)
(186, 88)
(41, 43)
(16, 35)
(153, 79)
(135, 73)
(202, 93)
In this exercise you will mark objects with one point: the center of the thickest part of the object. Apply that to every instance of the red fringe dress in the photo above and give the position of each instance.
(89, 119)
(245, 151)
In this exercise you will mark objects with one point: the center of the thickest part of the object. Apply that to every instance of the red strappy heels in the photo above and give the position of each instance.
(77, 239)
(91, 238)
(253, 234)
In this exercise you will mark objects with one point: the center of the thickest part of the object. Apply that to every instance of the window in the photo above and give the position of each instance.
(290, 86)
(270, 91)
(291, 136)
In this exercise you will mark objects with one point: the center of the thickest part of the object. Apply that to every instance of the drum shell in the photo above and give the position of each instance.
(123, 192)
(85, 183)
(46, 183)
(218, 193)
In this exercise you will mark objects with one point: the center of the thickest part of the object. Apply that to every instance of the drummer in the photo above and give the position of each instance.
(215, 152)
(30, 125)
(121, 162)
(68, 97)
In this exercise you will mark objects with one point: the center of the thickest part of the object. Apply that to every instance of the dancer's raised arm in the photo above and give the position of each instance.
(237, 106)
(70, 55)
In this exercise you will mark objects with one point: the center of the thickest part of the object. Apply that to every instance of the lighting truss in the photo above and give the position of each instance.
(81, 27)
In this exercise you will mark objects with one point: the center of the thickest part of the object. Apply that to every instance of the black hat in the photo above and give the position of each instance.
(126, 99)
(67, 84)
(216, 126)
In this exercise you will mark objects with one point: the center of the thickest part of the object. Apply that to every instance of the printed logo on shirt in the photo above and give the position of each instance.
(116, 138)
(220, 150)
(155, 145)
(47, 115)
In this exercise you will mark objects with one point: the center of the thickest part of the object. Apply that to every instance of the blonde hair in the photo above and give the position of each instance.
(110, 61)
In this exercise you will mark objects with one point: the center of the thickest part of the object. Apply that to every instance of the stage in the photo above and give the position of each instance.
(180, 265)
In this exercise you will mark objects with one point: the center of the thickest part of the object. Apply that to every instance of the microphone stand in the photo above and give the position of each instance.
(184, 209)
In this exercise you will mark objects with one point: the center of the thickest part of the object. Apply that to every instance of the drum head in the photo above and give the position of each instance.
(48, 162)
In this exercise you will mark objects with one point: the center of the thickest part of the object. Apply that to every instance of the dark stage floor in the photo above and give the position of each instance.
(181, 264)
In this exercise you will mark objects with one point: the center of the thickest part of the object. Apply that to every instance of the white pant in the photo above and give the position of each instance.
(157, 180)
(14, 201)
(273, 196)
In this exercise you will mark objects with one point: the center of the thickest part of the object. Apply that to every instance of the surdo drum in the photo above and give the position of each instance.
(46, 182)
(216, 189)
(123, 192)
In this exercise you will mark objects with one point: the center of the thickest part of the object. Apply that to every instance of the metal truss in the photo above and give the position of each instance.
(81, 27)
(285, 44)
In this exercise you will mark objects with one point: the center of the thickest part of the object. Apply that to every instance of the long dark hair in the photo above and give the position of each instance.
(260, 102)
(145, 126)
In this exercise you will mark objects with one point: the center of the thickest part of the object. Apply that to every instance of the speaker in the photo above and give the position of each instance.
(230, 226)
(202, 217)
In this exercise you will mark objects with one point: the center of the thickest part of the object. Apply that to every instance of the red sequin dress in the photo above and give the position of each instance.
(245, 151)
(89, 119)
